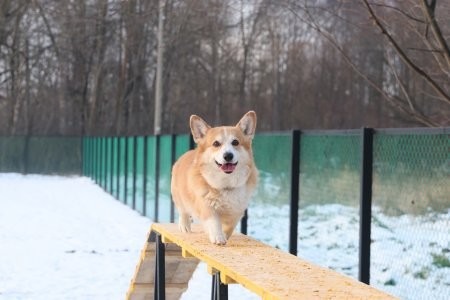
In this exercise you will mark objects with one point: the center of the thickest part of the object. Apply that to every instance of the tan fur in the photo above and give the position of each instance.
(201, 189)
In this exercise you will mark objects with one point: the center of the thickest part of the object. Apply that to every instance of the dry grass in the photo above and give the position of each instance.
(396, 195)
(412, 194)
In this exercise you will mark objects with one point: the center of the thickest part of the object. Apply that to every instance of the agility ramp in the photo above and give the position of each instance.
(178, 272)
(267, 271)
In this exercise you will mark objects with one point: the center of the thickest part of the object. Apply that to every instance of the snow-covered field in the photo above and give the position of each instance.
(65, 238)
(409, 255)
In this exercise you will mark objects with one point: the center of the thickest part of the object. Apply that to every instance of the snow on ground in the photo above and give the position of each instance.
(65, 238)
(404, 248)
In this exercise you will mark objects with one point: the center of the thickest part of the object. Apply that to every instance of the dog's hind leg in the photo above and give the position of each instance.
(184, 218)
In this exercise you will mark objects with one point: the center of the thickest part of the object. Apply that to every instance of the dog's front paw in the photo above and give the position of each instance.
(218, 239)
(184, 228)
(184, 223)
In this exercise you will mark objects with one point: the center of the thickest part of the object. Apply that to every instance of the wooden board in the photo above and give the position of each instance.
(178, 273)
(269, 272)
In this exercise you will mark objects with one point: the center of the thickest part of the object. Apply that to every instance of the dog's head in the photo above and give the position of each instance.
(224, 150)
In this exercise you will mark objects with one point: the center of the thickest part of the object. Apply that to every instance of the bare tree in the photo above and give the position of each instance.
(409, 45)
(88, 67)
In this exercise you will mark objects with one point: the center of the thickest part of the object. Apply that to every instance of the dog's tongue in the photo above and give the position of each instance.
(228, 167)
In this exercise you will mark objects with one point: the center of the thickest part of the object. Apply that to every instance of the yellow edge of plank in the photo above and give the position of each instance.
(226, 279)
(231, 276)
(186, 253)
(166, 240)
(211, 270)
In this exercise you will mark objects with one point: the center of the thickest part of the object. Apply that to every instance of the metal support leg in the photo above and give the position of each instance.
(160, 270)
(213, 288)
(219, 290)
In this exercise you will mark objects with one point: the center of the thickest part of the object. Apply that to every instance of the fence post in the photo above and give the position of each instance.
(173, 158)
(82, 155)
(295, 176)
(89, 157)
(365, 204)
(191, 142)
(118, 168)
(103, 158)
(134, 171)
(98, 160)
(85, 157)
(92, 162)
(125, 171)
(94, 158)
(157, 167)
(104, 162)
(106, 168)
(144, 178)
(111, 164)
(244, 220)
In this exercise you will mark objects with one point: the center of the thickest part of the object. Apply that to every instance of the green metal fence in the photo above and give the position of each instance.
(330, 166)
(136, 170)
(411, 211)
(317, 212)
(411, 185)
(48, 155)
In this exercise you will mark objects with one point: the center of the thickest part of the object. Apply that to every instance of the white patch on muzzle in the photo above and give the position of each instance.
(226, 149)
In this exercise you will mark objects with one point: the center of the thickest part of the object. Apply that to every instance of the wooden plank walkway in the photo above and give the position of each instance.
(178, 273)
(267, 271)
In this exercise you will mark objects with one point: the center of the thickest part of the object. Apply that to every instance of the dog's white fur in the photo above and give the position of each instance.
(207, 186)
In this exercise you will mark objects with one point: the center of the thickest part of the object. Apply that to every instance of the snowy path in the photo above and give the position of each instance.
(65, 238)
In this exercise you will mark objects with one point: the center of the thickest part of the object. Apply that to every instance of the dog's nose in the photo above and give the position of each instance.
(228, 156)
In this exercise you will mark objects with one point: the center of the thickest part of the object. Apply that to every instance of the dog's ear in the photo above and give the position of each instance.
(198, 127)
(248, 124)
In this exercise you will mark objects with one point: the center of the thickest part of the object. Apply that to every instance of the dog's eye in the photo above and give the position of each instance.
(235, 143)
(216, 144)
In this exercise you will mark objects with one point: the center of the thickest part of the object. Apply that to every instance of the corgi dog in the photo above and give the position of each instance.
(214, 182)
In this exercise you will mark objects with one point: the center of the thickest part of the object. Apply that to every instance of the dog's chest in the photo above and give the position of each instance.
(231, 201)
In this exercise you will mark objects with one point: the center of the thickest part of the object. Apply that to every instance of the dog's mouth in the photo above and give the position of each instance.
(227, 167)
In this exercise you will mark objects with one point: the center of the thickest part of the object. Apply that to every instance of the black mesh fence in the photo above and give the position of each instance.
(411, 214)
(330, 165)
(409, 228)
(268, 215)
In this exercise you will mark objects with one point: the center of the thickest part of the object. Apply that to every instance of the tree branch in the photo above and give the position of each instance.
(402, 86)
(396, 9)
(394, 101)
(404, 56)
(428, 10)
(49, 29)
